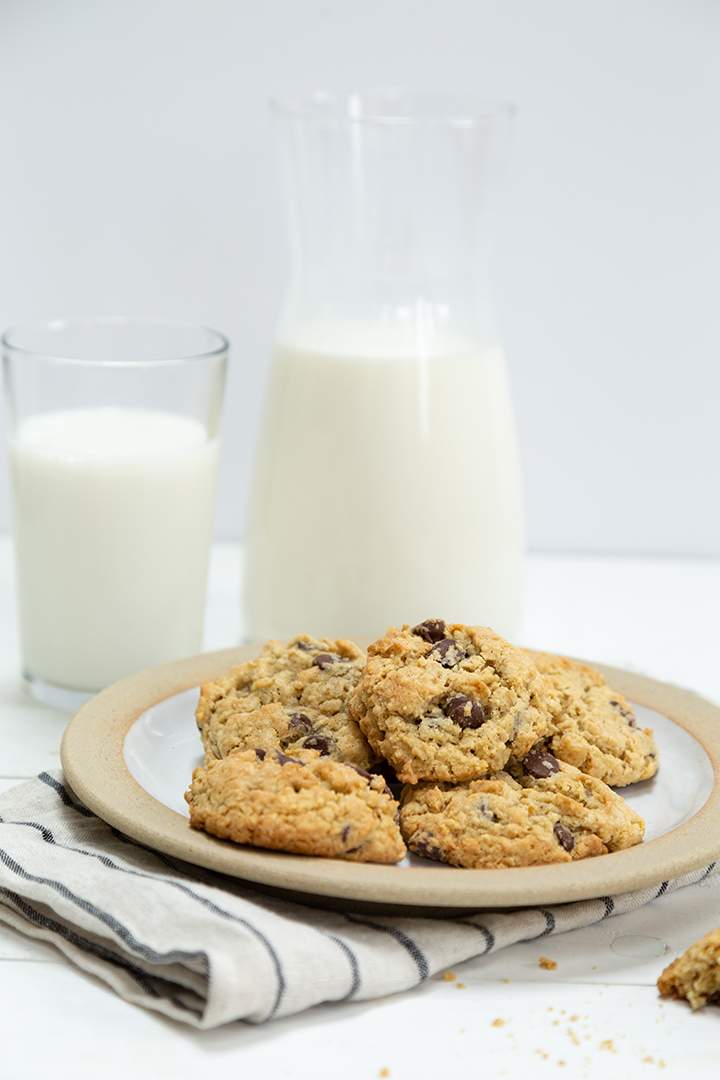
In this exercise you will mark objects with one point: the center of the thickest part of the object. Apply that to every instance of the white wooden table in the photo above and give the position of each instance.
(598, 1013)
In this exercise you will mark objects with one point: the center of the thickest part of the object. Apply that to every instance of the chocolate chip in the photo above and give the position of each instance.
(431, 630)
(447, 652)
(426, 847)
(345, 833)
(260, 753)
(626, 713)
(485, 810)
(368, 776)
(306, 646)
(564, 837)
(540, 763)
(324, 660)
(318, 742)
(285, 759)
(361, 772)
(300, 724)
(465, 712)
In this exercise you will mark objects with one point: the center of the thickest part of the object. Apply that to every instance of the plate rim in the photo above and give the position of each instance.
(93, 761)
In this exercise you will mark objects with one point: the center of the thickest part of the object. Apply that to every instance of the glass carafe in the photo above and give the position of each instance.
(387, 485)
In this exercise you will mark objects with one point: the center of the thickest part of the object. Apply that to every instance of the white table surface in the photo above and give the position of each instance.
(598, 1013)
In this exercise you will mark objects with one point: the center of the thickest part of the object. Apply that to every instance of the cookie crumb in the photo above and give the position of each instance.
(543, 1054)
(460, 986)
(448, 976)
(572, 1035)
(661, 1063)
(498, 1022)
(505, 980)
(609, 1045)
(384, 1072)
(561, 1063)
(648, 1060)
(546, 963)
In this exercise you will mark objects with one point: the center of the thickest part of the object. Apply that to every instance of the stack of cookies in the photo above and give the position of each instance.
(445, 739)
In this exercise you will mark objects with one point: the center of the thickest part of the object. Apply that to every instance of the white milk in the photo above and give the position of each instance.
(114, 513)
(388, 490)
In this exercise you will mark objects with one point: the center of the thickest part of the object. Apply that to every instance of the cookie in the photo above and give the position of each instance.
(695, 976)
(449, 702)
(594, 727)
(305, 803)
(542, 811)
(292, 697)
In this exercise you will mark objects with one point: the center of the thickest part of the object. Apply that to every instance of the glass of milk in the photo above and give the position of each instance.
(113, 429)
(387, 486)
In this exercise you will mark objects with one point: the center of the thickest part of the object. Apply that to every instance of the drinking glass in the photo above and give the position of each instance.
(387, 485)
(113, 443)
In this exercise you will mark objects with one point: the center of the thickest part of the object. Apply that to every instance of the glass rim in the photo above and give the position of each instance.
(220, 347)
(420, 108)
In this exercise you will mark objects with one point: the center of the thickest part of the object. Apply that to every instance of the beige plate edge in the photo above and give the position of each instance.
(94, 766)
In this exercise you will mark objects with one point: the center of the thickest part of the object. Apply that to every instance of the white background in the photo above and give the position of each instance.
(137, 175)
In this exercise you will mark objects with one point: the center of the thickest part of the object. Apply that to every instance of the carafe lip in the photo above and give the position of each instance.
(392, 106)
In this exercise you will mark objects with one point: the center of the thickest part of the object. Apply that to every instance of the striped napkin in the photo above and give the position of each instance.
(204, 949)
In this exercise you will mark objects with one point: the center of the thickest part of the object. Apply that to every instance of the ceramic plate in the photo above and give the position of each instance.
(129, 754)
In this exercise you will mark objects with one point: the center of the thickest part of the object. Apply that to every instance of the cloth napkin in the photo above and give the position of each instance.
(205, 949)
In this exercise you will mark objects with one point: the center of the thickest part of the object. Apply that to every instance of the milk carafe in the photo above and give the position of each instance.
(387, 483)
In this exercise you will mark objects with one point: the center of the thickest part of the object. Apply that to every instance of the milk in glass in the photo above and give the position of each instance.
(113, 521)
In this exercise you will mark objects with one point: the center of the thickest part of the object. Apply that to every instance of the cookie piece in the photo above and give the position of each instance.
(543, 812)
(595, 727)
(304, 803)
(293, 696)
(695, 976)
(449, 702)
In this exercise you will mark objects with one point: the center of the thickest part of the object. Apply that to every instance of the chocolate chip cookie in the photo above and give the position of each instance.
(541, 811)
(293, 696)
(695, 976)
(450, 702)
(594, 726)
(304, 803)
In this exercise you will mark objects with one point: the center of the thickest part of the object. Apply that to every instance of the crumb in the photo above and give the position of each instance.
(574, 1018)
(498, 1022)
(561, 1063)
(594, 967)
(648, 1060)
(546, 963)
(556, 1023)
(573, 1037)
(543, 1054)
(504, 980)
(448, 976)
(460, 986)
(384, 1071)
(608, 1044)
(661, 1063)
(551, 1008)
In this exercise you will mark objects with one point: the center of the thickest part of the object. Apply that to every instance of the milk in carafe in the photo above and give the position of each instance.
(387, 488)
